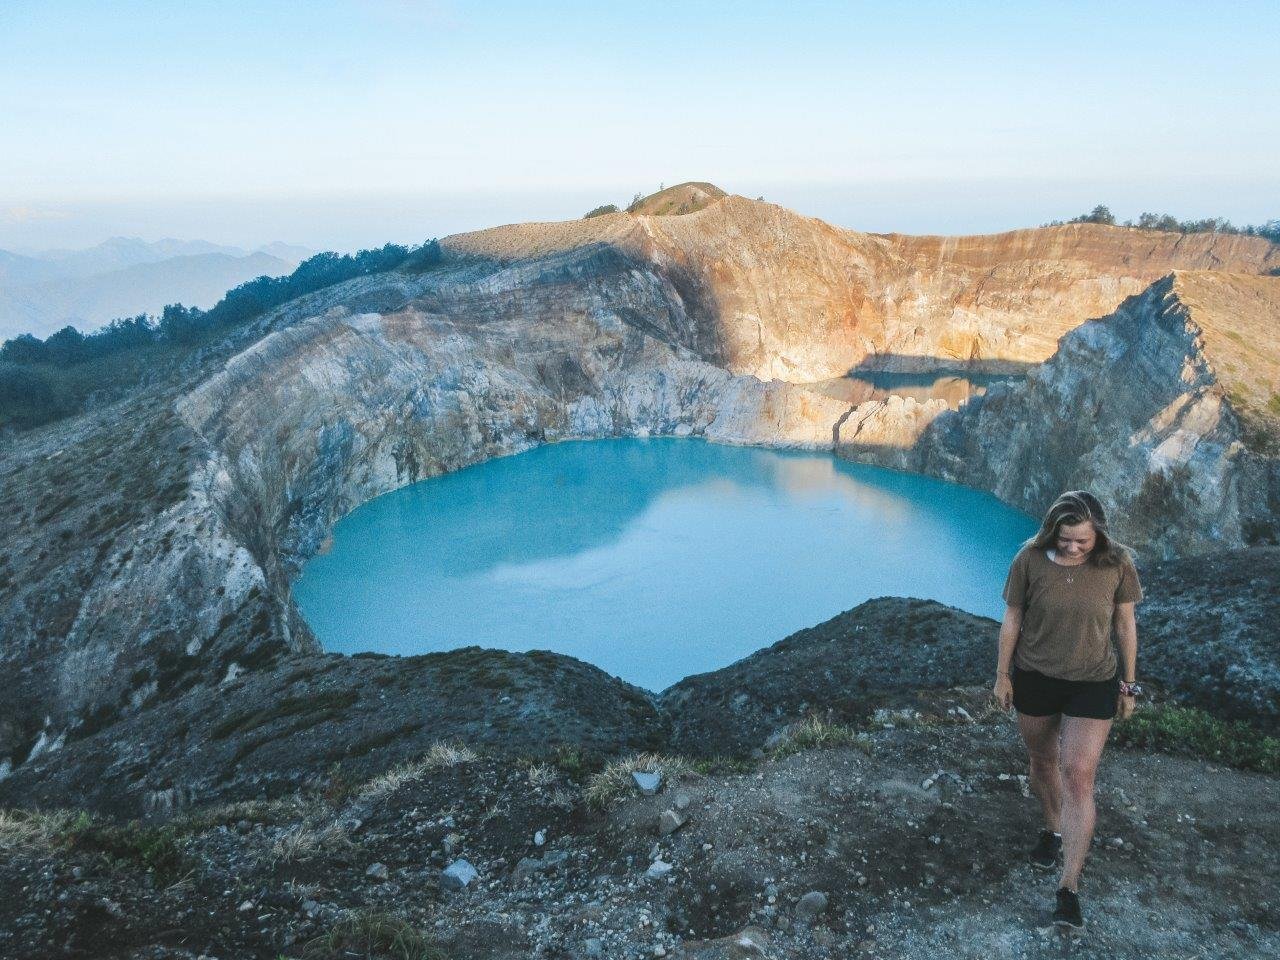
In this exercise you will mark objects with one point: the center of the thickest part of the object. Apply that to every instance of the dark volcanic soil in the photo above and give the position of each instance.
(271, 731)
(916, 836)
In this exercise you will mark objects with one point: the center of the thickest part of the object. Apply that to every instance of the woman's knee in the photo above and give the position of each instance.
(1078, 777)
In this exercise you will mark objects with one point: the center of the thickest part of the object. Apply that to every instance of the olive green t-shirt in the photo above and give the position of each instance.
(1067, 614)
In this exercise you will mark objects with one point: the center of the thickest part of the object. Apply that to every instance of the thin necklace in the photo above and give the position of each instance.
(1071, 577)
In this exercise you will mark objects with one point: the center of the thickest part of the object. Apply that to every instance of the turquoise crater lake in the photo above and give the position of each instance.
(652, 559)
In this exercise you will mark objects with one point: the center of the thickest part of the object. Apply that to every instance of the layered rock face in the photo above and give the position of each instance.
(189, 506)
(778, 295)
(1143, 407)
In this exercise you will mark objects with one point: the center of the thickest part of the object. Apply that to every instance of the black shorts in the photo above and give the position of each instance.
(1039, 695)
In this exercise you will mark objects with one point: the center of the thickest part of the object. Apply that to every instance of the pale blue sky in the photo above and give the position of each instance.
(344, 123)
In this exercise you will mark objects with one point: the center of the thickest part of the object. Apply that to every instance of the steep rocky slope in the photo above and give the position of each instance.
(1168, 409)
(149, 546)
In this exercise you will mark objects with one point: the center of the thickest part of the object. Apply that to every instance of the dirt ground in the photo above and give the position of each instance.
(916, 834)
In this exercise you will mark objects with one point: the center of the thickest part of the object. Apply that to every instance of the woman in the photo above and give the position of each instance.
(1067, 588)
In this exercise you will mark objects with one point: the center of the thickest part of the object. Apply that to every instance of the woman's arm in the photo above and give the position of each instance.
(1127, 646)
(1010, 627)
(1127, 641)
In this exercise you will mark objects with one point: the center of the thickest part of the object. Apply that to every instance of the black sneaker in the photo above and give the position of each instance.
(1066, 915)
(1047, 848)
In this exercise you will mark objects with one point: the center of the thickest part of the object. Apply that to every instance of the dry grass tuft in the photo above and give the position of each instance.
(372, 934)
(34, 829)
(615, 781)
(542, 775)
(814, 733)
(306, 840)
(562, 798)
(440, 755)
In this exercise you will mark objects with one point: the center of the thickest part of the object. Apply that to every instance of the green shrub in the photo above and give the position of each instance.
(574, 763)
(370, 935)
(815, 733)
(1194, 733)
(134, 844)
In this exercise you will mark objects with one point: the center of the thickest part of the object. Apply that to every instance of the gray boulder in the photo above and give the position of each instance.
(458, 875)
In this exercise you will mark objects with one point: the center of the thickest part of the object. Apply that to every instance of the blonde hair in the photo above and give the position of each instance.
(1077, 506)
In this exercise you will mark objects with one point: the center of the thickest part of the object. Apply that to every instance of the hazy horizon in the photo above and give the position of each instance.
(343, 124)
(348, 223)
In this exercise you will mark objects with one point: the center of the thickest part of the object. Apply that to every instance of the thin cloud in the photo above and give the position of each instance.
(24, 214)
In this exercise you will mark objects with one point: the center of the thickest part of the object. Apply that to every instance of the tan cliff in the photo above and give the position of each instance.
(783, 296)
(1168, 409)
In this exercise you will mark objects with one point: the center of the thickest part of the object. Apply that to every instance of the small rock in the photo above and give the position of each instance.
(452, 843)
(658, 869)
(377, 871)
(593, 947)
(647, 783)
(682, 801)
(751, 942)
(540, 838)
(669, 823)
(811, 906)
(458, 875)
(246, 906)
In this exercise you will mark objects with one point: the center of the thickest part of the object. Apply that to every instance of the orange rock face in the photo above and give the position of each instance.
(779, 295)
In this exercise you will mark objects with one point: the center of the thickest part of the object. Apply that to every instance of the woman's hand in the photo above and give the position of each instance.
(1003, 691)
(1124, 707)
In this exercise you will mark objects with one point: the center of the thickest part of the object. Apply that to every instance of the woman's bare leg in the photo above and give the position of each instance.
(1082, 742)
(1040, 734)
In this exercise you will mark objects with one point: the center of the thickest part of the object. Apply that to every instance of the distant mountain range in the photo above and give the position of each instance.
(44, 291)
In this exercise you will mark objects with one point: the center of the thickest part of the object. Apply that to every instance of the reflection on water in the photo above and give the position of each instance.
(953, 386)
(653, 559)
